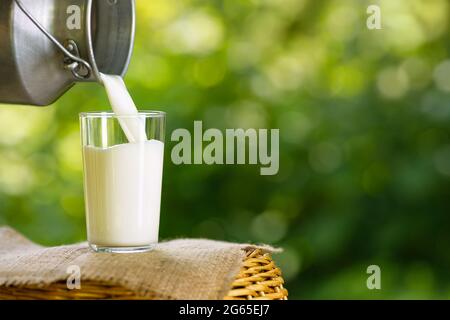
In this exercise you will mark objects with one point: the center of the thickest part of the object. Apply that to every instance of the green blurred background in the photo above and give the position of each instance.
(364, 122)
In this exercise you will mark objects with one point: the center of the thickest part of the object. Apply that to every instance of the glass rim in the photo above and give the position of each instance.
(111, 114)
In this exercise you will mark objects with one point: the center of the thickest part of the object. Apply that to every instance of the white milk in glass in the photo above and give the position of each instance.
(123, 182)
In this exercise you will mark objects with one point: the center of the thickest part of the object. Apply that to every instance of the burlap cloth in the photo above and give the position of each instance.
(177, 269)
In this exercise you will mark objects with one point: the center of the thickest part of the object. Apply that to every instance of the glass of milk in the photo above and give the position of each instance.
(123, 166)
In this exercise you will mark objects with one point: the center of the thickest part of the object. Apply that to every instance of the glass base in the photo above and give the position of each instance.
(136, 249)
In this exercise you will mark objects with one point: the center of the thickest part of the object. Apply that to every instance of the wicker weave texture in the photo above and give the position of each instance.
(259, 278)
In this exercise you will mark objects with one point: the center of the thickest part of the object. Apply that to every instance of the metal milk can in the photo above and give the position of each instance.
(46, 46)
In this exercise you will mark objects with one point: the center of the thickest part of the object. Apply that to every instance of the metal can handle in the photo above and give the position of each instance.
(80, 68)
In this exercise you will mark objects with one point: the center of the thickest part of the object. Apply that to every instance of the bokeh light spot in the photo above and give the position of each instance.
(441, 76)
(347, 80)
(295, 126)
(418, 72)
(16, 175)
(393, 83)
(290, 262)
(246, 114)
(325, 157)
(19, 123)
(270, 227)
(197, 32)
(285, 73)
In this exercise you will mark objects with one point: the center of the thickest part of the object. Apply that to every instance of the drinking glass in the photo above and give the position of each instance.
(123, 165)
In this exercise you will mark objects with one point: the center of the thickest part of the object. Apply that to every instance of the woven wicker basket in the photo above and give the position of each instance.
(259, 278)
